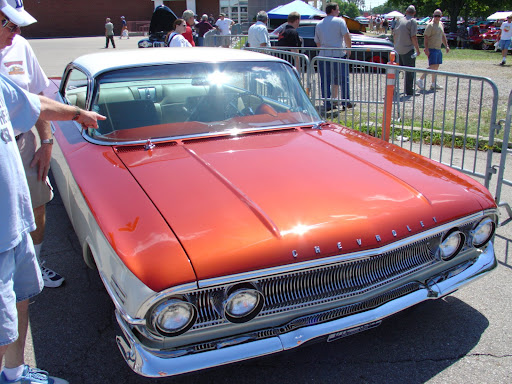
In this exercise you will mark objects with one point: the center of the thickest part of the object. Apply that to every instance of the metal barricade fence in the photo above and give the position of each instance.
(505, 166)
(299, 60)
(214, 39)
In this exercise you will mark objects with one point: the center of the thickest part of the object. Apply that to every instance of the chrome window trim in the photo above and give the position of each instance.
(227, 134)
(65, 78)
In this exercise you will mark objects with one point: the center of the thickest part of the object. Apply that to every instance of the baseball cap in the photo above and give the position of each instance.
(14, 10)
(222, 14)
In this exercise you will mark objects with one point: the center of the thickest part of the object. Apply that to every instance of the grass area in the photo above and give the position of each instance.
(467, 54)
(457, 54)
(430, 136)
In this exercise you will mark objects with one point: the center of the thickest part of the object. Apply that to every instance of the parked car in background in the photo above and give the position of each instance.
(377, 48)
(422, 24)
(363, 20)
(476, 35)
(228, 220)
(161, 23)
(490, 37)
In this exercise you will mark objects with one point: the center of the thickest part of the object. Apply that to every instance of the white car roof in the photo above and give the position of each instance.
(96, 63)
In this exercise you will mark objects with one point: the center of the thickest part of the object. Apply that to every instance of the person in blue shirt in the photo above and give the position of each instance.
(20, 274)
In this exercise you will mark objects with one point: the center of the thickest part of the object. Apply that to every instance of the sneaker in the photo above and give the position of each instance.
(51, 278)
(420, 83)
(33, 376)
(502, 63)
(436, 86)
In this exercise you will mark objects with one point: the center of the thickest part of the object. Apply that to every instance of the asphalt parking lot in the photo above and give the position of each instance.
(463, 338)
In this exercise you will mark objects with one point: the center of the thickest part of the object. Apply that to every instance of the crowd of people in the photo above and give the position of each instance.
(380, 24)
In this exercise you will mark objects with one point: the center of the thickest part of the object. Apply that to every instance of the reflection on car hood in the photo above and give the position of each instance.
(246, 203)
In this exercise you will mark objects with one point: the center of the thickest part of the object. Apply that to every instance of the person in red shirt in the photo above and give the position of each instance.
(188, 16)
(202, 27)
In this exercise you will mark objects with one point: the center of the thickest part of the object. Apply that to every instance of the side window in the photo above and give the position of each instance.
(76, 88)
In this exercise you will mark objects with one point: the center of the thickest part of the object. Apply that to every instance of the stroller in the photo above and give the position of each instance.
(161, 23)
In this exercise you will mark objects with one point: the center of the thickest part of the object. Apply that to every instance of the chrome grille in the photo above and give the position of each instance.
(328, 283)
(305, 321)
(347, 310)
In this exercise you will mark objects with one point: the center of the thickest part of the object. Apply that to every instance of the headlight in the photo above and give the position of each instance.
(173, 317)
(451, 244)
(483, 232)
(243, 305)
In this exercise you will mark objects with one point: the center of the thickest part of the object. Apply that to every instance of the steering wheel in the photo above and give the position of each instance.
(232, 110)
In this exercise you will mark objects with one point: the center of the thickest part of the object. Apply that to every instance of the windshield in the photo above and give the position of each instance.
(197, 99)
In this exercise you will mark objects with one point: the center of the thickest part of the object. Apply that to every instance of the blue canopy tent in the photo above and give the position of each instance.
(305, 10)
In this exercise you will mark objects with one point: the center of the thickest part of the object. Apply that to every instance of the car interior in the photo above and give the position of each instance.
(188, 103)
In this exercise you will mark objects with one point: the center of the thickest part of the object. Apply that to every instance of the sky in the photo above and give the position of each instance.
(374, 3)
(369, 3)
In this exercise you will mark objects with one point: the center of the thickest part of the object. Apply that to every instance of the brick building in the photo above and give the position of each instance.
(73, 18)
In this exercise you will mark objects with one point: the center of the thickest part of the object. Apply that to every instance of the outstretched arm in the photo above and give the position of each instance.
(53, 110)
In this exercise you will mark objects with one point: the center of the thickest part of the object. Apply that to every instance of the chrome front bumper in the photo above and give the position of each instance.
(155, 363)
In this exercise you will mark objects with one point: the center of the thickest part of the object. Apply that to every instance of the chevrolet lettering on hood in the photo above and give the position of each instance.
(228, 221)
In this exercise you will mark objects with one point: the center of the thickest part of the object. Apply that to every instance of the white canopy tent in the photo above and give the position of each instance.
(499, 15)
(305, 10)
(394, 14)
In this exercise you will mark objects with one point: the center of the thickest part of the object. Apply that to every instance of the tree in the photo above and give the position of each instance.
(454, 8)
(383, 9)
(348, 9)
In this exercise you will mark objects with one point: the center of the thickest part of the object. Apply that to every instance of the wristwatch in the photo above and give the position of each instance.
(46, 141)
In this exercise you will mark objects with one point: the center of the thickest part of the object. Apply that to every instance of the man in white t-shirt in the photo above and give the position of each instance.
(258, 32)
(223, 25)
(505, 37)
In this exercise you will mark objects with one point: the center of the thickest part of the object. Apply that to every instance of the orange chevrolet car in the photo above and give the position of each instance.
(228, 221)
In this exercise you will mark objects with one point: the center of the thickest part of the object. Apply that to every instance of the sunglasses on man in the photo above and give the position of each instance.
(12, 27)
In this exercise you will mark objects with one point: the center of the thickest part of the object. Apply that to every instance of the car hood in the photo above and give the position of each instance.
(267, 199)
